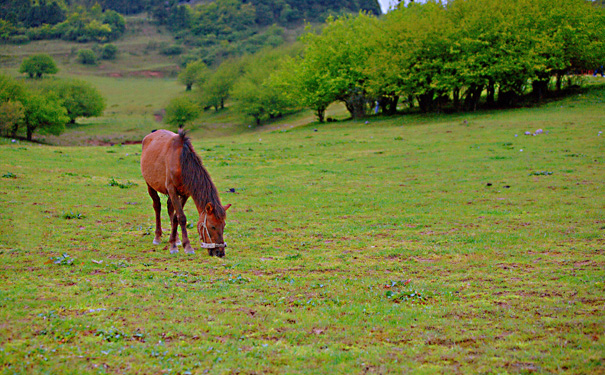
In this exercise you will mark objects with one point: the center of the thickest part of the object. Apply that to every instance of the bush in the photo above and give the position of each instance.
(173, 50)
(79, 98)
(19, 39)
(38, 65)
(87, 57)
(109, 52)
(181, 110)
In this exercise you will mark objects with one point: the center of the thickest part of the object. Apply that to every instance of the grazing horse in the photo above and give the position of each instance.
(170, 166)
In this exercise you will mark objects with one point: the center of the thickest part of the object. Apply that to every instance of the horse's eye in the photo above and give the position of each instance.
(213, 228)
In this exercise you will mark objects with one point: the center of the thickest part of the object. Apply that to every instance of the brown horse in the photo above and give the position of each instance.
(170, 166)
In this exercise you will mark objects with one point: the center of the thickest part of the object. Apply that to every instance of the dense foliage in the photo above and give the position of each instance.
(181, 110)
(226, 28)
(22, 21)
(458, 56)
(45, 107)
(79, 98)
(38, 65)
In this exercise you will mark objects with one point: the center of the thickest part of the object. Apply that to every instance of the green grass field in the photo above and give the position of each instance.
(440, 244)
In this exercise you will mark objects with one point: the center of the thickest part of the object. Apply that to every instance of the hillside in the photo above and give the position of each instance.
(208, 30)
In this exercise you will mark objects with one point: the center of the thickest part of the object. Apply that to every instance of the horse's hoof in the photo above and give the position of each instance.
(174, 251)
(189, 251)
(156, 242)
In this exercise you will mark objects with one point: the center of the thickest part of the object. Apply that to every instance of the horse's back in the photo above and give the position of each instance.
(159, 158)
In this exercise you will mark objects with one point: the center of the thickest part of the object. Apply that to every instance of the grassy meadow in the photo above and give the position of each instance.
(439, 244)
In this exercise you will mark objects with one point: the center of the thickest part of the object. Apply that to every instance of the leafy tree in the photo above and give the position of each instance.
(334, 65)
(11, 109)
(7, 29)
(194, 73)
(307, 87)
(38, 65)
(11, 113)
(44, 114)
(255, 94)
(181, 110)
(42, 13)
(116, 23)
(79, 98)
(216, 89)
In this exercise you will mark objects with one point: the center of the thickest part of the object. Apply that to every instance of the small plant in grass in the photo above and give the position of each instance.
(9, 175)
(63, 260)
(400, 292)
(72, 215)
(128, 184)
(111, 334)
(239, 279)
(541, 173)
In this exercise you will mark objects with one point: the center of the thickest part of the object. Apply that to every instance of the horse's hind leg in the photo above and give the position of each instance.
(171, 216)
(157, 206)
(173, 228)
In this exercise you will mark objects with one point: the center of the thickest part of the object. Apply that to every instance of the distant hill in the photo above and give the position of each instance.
(207, 30)
(216, 30)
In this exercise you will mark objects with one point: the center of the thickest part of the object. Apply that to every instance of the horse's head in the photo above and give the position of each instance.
(210, 227)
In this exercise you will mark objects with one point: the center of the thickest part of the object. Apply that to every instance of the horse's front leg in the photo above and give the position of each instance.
(179, 219)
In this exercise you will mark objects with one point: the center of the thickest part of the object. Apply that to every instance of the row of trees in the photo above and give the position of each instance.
(44, 105)
(458, 56)
(20, 25)
(244, 81)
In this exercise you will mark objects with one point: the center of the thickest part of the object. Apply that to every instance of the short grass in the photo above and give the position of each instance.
(441, 244)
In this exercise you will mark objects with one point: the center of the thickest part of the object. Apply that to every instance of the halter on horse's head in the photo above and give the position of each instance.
(211, 229)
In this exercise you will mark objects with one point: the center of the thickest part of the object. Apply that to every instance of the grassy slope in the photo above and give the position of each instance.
(503, 278)
(138, 52)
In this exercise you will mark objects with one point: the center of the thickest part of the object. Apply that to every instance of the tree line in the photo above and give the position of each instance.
(456, 56)
(23, 21)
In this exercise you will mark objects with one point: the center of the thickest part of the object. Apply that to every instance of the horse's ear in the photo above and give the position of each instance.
(209, 208)
(227, 206)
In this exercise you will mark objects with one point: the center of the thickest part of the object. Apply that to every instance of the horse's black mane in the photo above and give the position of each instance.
(196, 179)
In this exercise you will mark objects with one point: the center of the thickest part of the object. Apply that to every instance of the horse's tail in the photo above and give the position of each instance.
(196, 178)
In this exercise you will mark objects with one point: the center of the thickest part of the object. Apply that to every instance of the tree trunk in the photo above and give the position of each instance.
(320, 113)
(30, 133)
(392, 109)
(491, 93)
(540, 88)
(471, 102)
(355, 104)
(456, 97)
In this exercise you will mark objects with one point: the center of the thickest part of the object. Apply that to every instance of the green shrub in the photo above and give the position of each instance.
(109, 52)
(87, 57)
(173, 50)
